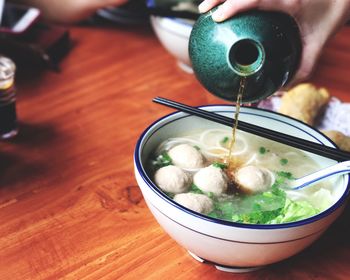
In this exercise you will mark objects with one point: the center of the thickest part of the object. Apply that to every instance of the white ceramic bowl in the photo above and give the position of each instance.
(233, 246)
(174, 34)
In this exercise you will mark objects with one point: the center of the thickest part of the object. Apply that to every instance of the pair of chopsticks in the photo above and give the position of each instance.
(289, 140)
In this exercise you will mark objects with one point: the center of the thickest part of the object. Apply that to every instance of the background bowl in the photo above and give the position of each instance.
(174, 34)
(233, 246)
(134, 12)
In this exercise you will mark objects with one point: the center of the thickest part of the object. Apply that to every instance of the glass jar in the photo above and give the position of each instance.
(8, 116)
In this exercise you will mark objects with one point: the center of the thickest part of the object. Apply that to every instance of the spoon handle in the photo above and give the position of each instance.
(308, 180)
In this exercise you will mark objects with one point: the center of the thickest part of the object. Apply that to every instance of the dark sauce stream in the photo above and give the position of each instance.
(230, 161)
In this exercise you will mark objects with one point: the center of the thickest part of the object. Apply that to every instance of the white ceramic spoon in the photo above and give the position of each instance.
(309, 180)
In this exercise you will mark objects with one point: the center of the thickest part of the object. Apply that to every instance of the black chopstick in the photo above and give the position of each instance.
(305, 145)
(167, 12)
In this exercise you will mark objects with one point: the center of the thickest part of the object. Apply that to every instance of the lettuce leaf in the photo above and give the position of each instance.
(321, 199)
(270, 207)
(294, 211)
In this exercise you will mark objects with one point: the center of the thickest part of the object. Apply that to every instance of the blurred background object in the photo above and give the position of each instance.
(174, 33)
(8, 116)
(2, 4)
(132, 13)
(43, 46)
(171, 20)
(29, 41)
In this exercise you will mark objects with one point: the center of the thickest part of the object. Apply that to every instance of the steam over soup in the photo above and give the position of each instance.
(250, 187)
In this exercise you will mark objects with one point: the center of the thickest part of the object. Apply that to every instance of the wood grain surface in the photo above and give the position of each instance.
(70, 207)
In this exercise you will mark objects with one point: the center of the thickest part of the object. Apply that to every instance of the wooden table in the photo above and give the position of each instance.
(70, 207)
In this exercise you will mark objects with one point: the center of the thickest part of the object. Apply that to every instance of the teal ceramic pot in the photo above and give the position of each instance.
(264, 47)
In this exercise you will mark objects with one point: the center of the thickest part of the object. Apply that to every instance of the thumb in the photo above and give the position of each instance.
(309, 57)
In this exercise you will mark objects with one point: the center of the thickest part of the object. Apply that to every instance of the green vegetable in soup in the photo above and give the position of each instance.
(195, 189)
(262, 150)
(162, 160)
(294, 211)
(270, 207)
(253, 209)
(282, 177)
(285, 175)
(225, 140)
(220, 165)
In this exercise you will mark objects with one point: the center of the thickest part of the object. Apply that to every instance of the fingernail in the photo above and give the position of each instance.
(203, 7)
(218, 15)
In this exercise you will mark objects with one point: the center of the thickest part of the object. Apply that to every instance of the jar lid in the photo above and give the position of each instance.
(7, 68)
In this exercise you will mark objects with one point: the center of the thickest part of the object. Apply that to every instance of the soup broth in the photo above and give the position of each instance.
(252, 187)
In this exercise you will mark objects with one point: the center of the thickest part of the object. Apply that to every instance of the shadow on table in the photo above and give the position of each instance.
(35, 135)
(26, 155)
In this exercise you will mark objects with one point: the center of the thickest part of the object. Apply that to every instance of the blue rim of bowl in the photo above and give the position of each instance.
(167, 199)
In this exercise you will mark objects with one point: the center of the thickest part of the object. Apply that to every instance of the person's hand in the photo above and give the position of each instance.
(69, 11)
(318, 20)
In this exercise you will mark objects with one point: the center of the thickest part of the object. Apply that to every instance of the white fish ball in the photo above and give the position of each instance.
(211, 179)
(196, 202)
(186, 156)
(172, 179)
(253, 179)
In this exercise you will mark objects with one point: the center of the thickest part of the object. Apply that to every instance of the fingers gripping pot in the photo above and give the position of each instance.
(264, 47)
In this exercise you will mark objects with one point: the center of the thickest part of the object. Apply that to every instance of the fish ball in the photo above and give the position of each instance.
(196, 202)
(172, 179)
(186, 156)
(253, 179)
(211, 179)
